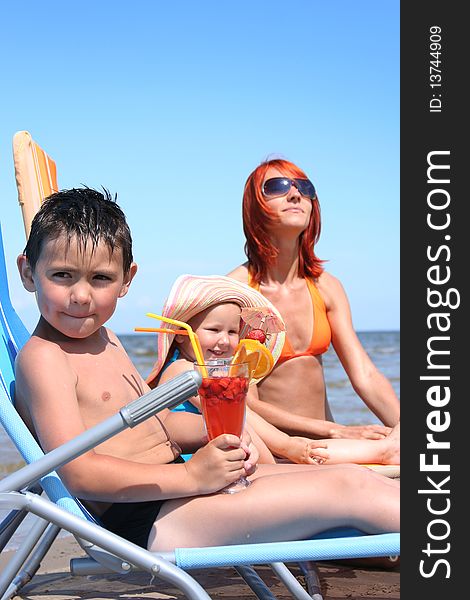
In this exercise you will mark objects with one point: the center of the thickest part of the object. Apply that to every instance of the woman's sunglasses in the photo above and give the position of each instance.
(280, 186)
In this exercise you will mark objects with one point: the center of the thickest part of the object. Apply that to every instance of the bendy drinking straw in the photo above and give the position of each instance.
(161, 330)
(192, 337)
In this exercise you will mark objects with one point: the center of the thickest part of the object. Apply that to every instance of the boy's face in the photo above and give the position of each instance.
(218, 332)
(76, 289)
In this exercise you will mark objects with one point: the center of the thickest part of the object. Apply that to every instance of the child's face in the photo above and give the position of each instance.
(77, 290)
(218, 332)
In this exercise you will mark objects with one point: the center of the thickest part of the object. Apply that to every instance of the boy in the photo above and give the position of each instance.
(73, 373)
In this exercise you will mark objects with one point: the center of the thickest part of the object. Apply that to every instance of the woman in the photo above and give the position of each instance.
(281, 221)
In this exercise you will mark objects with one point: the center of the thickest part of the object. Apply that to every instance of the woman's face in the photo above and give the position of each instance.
(292, 210)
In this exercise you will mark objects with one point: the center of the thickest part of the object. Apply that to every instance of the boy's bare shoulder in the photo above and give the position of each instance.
(42, 372)
(39, 354)
(112, 337)
(40, 365)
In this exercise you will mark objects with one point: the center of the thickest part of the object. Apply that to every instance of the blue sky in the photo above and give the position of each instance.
(172, 105)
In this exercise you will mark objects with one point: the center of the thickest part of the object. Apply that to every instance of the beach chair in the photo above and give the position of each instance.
(169, 567)
(36, 175)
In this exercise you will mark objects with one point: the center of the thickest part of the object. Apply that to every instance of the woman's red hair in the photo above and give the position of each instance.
(257, 219)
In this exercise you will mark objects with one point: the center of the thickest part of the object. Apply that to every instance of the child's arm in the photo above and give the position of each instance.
(183, 428)
(294, 448)
(186, 429)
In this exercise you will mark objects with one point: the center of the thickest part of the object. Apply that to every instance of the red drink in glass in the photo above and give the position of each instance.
(223, 399)
(223, 404)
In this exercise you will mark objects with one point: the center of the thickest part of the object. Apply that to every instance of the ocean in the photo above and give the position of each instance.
(382, 347)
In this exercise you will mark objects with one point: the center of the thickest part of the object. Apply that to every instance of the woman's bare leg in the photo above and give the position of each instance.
(296, 503)
(385, 451)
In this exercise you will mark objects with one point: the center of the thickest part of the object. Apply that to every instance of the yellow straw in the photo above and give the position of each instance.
(192, 338)
(161, 330)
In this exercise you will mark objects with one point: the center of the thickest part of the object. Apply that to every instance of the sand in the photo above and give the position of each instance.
(338, 580)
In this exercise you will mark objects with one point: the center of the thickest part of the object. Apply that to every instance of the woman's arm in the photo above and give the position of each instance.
(368, 382)
(296, 425)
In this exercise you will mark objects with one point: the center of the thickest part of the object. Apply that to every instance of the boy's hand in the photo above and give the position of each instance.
(218, 464)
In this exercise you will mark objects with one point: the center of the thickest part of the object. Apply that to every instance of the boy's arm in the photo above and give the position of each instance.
(46, 396)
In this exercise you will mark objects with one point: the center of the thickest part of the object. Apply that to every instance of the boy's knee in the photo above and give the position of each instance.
(355, 470)
(357, 475)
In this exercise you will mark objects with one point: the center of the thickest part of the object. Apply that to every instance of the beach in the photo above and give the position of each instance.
(338, 580)
(54, 580)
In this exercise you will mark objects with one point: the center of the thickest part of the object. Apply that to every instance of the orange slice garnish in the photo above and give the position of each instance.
(258, 357)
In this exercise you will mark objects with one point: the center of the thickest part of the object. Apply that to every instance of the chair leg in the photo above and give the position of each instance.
(312, 578)
(17, 560)
(292, 584)
(13, 520)
(254, 581)
(19, 570)
(9, 525)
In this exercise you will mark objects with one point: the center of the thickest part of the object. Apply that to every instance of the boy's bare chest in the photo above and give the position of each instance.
(106, 381)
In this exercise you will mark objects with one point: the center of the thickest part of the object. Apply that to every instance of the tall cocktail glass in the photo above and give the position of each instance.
(223, 402)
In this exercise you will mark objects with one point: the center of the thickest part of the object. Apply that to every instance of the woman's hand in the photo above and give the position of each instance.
(367, 432)
(219, 463)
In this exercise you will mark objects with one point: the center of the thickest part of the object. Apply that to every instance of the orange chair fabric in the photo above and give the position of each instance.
(36, 176)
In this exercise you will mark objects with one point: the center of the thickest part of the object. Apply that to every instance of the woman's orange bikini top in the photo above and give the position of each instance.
(321, 336)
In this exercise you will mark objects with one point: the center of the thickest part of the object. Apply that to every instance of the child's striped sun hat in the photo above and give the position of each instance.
(191, 294)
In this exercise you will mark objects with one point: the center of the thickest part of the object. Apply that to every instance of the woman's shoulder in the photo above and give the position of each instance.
(240, 273)
(329, 287)
(326, 279)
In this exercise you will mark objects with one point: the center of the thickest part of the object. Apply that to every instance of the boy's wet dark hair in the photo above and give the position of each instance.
(84, 214)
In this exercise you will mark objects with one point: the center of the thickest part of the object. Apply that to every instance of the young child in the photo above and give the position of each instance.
(220, 298)
(74, 373)
(212, 305)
